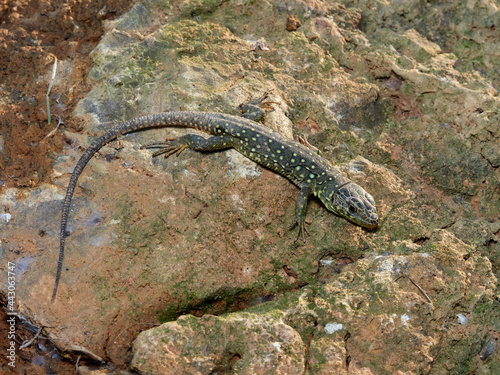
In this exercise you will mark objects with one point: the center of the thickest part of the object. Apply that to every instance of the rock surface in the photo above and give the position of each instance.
(241, 343)
(401, 95)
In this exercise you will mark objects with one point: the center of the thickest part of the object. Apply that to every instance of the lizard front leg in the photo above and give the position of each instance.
(255, 109)
(300, 213)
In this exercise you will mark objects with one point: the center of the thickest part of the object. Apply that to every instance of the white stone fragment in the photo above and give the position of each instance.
(332, 327)
(461, 318)
(5, 218)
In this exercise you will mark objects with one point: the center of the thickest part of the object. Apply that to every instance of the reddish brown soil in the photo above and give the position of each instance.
(32, 34)
(35, 359)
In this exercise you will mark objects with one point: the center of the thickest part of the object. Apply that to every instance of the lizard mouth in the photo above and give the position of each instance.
(371, 222)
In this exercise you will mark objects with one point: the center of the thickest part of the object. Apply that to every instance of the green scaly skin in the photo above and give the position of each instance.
(311, 173)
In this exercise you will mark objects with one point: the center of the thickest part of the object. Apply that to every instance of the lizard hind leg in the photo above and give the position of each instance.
(194, 142)
(168, 147)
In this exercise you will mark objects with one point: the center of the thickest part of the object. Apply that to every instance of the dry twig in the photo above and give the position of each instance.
(418, 286)
(54, 68)
(27, 343)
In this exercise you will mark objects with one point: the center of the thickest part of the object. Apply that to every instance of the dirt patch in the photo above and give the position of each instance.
(32, 34)
(38, 358)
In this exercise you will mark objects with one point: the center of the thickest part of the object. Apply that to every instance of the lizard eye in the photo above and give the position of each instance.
(352, 210)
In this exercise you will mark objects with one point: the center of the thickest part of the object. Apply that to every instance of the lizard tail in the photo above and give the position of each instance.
(175, 119)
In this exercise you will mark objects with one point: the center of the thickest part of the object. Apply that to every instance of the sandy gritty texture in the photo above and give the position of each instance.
(401, 95)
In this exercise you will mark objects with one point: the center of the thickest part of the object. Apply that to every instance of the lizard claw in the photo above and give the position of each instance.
(255, 109)
(301, 232)
(169, 147)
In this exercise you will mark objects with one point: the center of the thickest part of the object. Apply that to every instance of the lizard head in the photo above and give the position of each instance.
(350, 201)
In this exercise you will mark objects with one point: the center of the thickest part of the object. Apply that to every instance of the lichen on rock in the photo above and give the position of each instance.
(402, 96)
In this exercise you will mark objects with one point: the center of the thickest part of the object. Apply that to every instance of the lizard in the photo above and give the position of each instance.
(310, 172)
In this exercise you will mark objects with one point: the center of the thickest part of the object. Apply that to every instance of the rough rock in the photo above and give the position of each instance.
(240, 343)
(401, 95)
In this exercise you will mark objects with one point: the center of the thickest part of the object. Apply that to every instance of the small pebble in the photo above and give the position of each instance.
(5, 218)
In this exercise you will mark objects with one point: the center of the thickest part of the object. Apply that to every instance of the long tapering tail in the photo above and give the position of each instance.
(197, 120)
